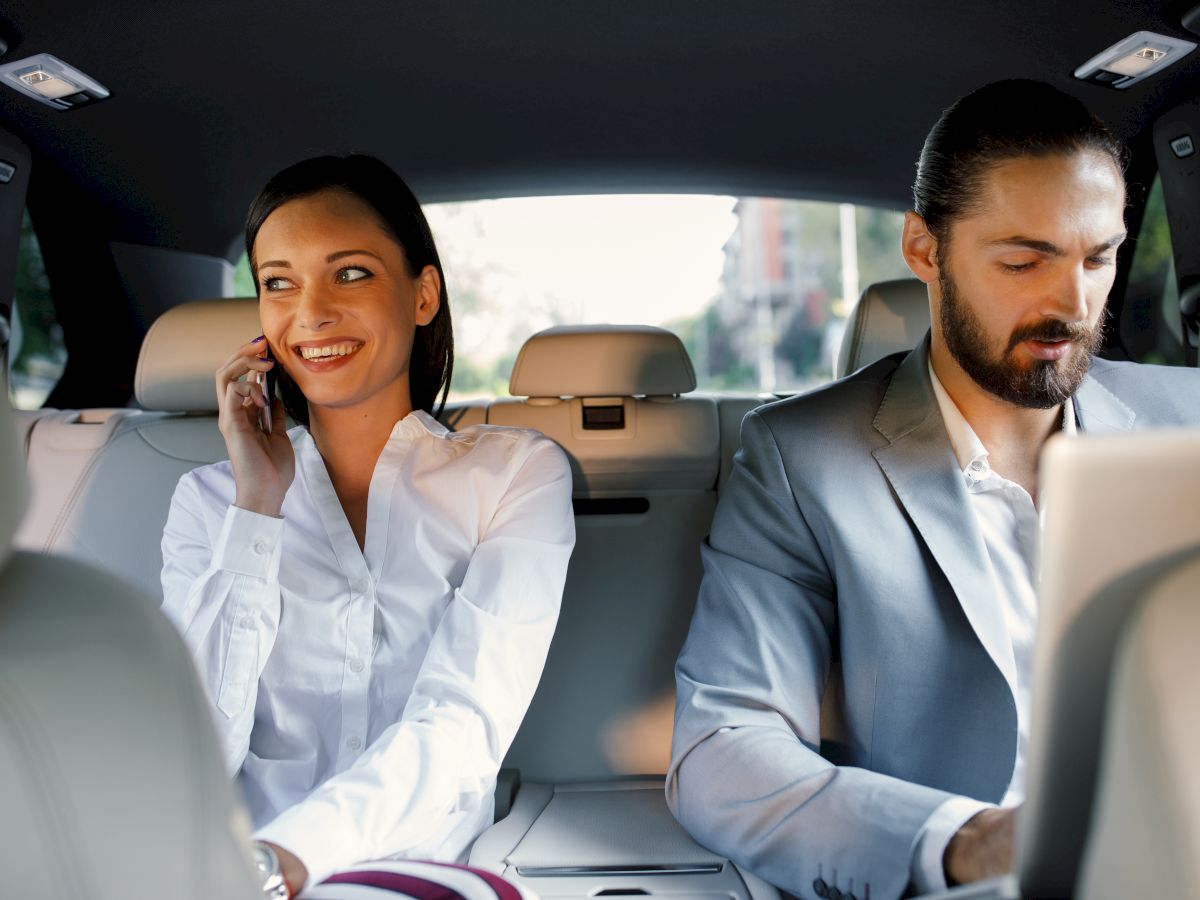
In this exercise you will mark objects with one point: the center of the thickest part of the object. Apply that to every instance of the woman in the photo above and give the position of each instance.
(369, 597)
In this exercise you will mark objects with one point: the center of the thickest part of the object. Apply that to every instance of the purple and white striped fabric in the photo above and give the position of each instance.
(393, 879)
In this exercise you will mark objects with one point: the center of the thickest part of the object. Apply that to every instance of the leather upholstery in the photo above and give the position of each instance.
(890, 316)
(602, 361)
(184, 347)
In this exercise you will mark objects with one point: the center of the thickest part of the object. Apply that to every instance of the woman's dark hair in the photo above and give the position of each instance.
(1000, 122)
(373, 182)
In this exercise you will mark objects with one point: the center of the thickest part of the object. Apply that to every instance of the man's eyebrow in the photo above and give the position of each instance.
(1051, 249)
(336, 256)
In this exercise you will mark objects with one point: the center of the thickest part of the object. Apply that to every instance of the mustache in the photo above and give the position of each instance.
(1054, 330)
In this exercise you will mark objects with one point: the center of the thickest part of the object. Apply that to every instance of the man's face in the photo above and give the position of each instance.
(1023, 280)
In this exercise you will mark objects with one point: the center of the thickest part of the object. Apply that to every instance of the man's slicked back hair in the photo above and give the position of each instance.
(1002, 121)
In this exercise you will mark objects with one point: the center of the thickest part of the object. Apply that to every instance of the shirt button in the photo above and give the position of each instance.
(359, 587)
(354, 743)
(260, 547)
(247, 622)
(356, 665)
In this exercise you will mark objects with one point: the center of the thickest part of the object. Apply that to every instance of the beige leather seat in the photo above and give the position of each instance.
(890, 316)
(111, 782)
(646, 459)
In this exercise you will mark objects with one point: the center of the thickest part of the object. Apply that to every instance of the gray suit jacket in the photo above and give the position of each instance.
(844, 534)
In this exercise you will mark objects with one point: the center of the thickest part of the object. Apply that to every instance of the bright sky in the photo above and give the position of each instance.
(615, 258)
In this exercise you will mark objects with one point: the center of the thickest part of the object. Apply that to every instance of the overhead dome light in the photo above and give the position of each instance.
(51, 81)
(1139, 56)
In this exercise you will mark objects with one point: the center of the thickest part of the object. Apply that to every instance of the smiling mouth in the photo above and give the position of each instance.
(329, 351)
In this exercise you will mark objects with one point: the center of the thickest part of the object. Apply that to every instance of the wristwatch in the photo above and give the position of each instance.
(269, 870)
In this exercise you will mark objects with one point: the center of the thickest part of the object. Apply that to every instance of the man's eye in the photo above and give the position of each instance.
(1016, 267)
(352, 273)
(1100, 261)
(276, 284)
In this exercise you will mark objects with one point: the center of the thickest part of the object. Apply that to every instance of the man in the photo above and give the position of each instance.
(888, 522)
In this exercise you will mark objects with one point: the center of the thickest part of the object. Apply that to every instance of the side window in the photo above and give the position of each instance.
(243, 279)
(1150, 327)
(36, 353)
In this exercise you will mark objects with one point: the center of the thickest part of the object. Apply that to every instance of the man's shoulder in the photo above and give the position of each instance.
(845, 406)
(1165, 395)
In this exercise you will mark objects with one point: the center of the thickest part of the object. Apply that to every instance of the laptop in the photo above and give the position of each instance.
(1118, 508)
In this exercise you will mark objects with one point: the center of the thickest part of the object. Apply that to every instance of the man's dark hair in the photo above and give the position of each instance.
(999, 122)
(373, 182)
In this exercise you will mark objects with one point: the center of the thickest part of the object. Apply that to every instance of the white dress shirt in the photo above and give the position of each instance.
(1012, 531)
(365, 698)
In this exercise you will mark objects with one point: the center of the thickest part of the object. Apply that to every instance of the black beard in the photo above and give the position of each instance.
(1045, 384)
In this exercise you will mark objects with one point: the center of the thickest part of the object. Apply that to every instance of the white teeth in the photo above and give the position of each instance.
(328, 351)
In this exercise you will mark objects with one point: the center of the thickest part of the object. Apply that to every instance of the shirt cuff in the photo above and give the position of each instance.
(249, 544)
(300, 836)
(928, 869)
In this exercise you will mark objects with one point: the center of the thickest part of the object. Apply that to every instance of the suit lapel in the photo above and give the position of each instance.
(1098, 411)
(920, 465)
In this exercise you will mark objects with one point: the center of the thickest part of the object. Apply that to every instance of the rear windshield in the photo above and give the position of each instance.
(758, 288)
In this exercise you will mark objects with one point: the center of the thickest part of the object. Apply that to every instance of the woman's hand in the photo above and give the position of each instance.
(263, 464)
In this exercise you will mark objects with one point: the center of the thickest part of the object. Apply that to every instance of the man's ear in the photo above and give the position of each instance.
(429, 295)
(919, 247)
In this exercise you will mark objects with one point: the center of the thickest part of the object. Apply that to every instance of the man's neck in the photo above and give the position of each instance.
(1013, 435)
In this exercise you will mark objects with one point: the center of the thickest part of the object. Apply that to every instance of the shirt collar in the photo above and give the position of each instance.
(966, 443)
(415, 424)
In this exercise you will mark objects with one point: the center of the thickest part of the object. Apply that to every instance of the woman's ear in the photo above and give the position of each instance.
(919, 247)
(429, 295)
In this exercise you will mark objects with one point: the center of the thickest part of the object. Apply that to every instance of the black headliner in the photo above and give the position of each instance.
(470, 99)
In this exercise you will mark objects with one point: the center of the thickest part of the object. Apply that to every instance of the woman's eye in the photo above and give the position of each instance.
(276, 283)
(352, 273)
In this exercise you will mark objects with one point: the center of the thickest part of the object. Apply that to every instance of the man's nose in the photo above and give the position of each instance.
(1068, 300)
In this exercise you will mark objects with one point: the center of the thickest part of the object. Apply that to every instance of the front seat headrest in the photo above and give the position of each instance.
(183, 348)
(890, 316)
(15, 495)
(602, 361)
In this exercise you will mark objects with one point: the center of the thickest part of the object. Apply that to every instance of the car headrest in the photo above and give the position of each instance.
(602, 361)
(183, 348)
(890, 316)
(12, 475)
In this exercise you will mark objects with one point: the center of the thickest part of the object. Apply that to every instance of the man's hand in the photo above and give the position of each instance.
(982, 848)
(294, 872)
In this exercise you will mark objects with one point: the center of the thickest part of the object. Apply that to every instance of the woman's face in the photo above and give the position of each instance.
(338, 304)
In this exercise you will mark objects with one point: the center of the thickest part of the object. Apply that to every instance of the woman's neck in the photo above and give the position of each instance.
(350, 439)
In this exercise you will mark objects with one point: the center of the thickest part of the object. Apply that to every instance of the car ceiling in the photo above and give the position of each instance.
(470, 99)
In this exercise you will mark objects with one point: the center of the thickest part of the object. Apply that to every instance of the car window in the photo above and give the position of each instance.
(757, 288)
(37, 354)
(1150, 326)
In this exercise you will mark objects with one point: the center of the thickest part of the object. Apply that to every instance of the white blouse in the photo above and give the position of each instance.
(366, 698)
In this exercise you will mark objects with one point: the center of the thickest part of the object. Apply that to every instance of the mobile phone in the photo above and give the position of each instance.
(267, 380)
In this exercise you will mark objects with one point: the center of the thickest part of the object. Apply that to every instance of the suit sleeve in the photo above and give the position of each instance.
(746, 776)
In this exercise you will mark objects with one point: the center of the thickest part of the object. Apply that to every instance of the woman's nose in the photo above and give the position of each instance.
(317, 310)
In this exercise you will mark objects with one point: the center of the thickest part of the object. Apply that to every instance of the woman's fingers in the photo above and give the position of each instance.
(245, 359)
(245, 393)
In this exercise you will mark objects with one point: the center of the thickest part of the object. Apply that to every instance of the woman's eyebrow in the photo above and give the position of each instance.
(277, 263)
(335, 256)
